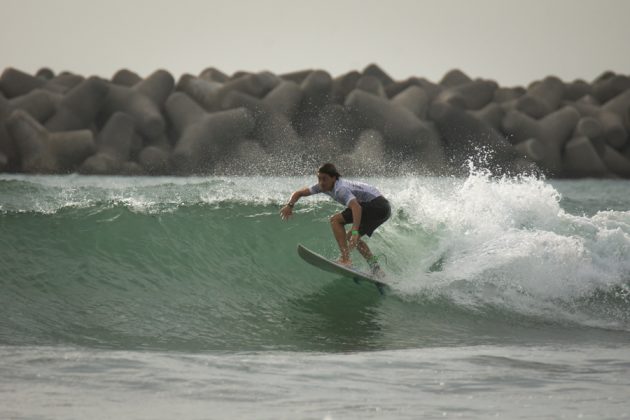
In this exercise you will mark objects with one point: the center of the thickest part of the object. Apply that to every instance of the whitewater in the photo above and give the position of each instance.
(163, 297)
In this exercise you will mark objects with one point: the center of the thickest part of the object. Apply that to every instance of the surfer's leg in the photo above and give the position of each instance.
(364, 249)
(372, 261)
(361, 247)
(337, 223)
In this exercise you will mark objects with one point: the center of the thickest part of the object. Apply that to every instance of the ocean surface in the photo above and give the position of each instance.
(162, 298)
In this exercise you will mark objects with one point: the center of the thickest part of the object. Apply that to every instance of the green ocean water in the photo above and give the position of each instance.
(109, 275)
(207, 264)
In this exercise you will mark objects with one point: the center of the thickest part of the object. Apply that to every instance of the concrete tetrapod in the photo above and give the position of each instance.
(332, 128)
(589, 127)
(7, 150)
(606, 88)
(506, 95)
(272, 129)
(581, 159)
(45, 74)
(212, 74)
(614, 132)
(64, 82)
(296, 76)
(157, 87)
(471, 95)
(491, 114)
(343, 85)
(415, 99)
(142, 102)
(182, 112)
(374, 70)
(317, 88)
(371, 84)
(367, 157)
(44, 152)
(454, 77)
(615, 161)
(285, 98)
(7, 146)
(256, 85)
(15, 83)
(317, 92)
(155, 160)
(5, 108)
(125, 77)
(113, 145)
(204, 92)
(431, 89)
(403, 131)
(39, 103)
(145, 113)
(249, 158)
(79, 107)
(533, 149)
(577, 89)
(466, 137)
(542, 97)
(620, 105)
(553, 131)
(204, 138)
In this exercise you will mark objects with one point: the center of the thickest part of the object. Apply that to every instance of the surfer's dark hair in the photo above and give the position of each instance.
(329, 169)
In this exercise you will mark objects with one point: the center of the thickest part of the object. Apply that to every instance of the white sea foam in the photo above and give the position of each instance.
(504, 241)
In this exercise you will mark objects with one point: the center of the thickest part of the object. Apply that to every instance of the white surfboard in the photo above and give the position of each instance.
(325, 264)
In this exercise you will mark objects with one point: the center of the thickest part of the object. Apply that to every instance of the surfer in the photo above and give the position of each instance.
(366, 209)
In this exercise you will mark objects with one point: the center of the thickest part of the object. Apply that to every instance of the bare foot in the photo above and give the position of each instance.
(378, 272)
(347, 263)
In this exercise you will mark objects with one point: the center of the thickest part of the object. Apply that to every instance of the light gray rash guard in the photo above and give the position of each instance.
(344, 191)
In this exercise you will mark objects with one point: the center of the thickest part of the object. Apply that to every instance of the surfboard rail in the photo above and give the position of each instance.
(325, 264)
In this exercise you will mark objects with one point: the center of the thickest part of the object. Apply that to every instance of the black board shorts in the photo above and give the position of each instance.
(373, 214)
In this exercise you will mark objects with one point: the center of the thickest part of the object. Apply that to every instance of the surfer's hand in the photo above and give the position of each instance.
(286, 212)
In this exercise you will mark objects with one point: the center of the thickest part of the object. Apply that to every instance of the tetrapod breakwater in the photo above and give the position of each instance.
(287, 124)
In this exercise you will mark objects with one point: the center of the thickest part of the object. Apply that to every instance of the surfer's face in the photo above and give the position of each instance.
(325, 181)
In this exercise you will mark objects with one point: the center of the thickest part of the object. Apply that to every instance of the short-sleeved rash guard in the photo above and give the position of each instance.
(344, 191)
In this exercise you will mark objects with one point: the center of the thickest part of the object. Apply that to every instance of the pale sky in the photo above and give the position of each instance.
(512, 42)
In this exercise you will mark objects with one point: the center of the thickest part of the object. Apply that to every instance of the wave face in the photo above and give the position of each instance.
(198, 264)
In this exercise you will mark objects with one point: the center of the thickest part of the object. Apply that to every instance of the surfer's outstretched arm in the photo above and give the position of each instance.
(287, 210)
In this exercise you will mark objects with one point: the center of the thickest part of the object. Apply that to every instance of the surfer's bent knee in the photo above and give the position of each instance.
(337, 218)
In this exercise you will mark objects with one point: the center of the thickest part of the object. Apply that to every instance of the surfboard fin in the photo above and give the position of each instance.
(381, 288)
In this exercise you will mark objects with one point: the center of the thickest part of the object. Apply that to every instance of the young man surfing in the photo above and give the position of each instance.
(366, 209)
